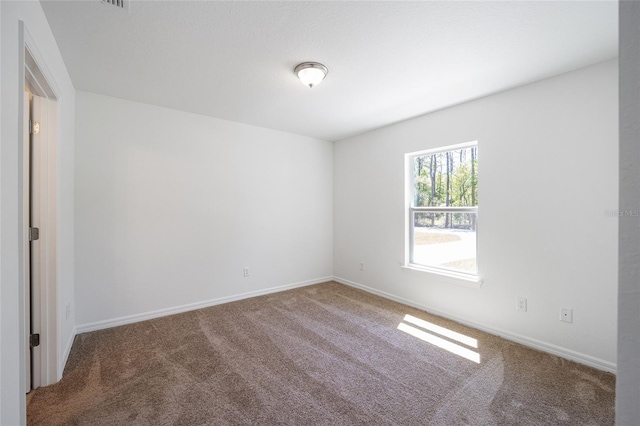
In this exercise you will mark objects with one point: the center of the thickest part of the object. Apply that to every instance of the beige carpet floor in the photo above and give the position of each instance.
(325, 354)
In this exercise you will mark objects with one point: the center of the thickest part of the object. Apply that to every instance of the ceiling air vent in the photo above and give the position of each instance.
(122, 4)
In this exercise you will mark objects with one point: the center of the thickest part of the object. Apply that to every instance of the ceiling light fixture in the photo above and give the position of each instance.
(311, 73)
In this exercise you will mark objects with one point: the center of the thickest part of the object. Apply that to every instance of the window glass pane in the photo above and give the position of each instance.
(447, 178)
(445, 240)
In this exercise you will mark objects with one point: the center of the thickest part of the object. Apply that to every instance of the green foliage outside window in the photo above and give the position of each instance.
(446, 179)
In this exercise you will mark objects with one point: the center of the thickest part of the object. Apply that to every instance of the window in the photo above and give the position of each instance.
(443, 209)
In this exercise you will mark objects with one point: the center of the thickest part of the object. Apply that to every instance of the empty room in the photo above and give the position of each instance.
(319, 212)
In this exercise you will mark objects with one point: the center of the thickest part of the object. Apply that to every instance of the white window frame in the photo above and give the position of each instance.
(467, 278)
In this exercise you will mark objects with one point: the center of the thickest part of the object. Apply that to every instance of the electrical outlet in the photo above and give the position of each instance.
(246, 272)
(566, 315)
(521, 304)
(68, 311)
(362, 266)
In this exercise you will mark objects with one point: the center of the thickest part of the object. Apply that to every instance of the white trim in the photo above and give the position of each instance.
(569, 354)
(23, 325)
(469, 144)
(129, 319)
(410, 209)
(47, 319)
(447, 275)
(65, 354)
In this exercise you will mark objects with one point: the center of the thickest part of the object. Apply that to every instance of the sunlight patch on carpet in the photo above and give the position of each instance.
(440, 342)
(466, 340)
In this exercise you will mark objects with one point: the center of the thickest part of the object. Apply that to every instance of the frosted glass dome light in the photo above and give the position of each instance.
(311, 73)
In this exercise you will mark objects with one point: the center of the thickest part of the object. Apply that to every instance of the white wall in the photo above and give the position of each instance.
(628, 380)
(548, 171)
(170, 206)
(12, 365)
(4, 388)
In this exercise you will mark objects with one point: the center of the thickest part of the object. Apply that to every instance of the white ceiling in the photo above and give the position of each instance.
(388, 61)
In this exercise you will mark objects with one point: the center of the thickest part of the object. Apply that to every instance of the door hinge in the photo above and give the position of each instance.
(34, 127)
(34, 234)
(34, 340)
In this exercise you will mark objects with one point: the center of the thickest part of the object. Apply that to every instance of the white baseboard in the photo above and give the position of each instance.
(569, 354)
(65, 354)
(514, 337)
(129, 319)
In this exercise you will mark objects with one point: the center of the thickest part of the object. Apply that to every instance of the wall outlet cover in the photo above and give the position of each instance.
(566, 315)
(521, 304)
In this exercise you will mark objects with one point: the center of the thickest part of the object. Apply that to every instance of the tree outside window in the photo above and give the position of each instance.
(443, 210)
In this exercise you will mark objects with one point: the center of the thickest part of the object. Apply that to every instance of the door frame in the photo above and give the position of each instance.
(35, 74)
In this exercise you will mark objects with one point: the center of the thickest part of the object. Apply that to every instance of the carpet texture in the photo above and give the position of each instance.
(325, 354)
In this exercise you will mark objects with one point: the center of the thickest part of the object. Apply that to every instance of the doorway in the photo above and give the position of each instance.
(39, 226)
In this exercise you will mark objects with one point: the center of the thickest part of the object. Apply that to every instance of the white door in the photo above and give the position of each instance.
(37, 181)
(40, 166)
(34, 230)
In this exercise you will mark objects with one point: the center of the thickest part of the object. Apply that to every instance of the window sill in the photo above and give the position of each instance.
(448, 276)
